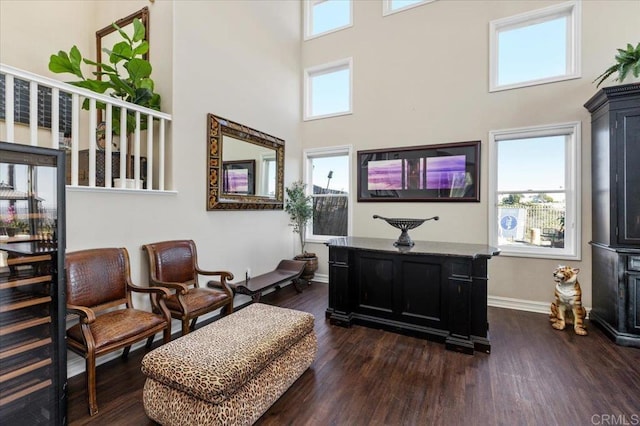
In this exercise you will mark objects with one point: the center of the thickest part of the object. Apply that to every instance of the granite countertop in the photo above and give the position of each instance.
(420, 247)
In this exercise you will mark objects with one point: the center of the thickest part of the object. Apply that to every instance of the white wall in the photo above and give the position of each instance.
(237, 59)
(421, 77)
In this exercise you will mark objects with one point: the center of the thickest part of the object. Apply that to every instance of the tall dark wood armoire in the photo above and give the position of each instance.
(33, 361)
(615, 174)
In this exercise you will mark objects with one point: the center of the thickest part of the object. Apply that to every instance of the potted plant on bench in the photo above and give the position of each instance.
(298, 206)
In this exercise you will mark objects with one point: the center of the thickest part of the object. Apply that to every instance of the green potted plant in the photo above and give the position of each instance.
(10, 222)
(127, 76)
(298, 206)
(627, 63)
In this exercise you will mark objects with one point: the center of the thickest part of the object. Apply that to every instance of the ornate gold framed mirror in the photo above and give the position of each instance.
(245, 167)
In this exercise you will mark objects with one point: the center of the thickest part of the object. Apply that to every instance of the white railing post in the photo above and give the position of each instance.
(33, 113)
(75, 130)
(8, 108)
(123, 147)
(55, 118)
(92, 142)
(161, 148)
(136, 152)
(108, 146)
(149, 176)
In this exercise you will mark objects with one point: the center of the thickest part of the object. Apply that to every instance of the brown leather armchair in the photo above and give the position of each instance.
(99, 291)
(174, 265)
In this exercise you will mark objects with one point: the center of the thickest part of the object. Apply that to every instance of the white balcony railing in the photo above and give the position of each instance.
(81, 136)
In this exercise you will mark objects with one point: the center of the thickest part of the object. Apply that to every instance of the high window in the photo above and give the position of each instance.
(327, 90)
(326, 16)
(535, 191)
(536, 47)
(393, 6)
(327, 174)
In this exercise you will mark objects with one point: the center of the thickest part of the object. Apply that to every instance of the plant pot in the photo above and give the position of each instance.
(129, 183)
(311, 266)
(9, 231)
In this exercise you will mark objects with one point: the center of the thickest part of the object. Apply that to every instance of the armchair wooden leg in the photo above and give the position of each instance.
(227, 309)
(150, 341)
(167, 334)
(90, 367)
(185, 327)
(193, 324)
(125, 352)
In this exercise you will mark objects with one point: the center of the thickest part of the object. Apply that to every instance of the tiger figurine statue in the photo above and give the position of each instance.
(567, 307)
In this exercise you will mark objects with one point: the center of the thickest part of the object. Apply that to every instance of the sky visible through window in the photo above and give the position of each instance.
(531, 164)
(329, 92)
(339, 165)
(532, 52)
(329, 15)
(399, 4)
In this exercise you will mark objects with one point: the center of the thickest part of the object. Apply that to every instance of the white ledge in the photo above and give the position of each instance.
(100, 189)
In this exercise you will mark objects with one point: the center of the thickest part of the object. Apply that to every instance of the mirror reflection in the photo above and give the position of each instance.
(248, 169)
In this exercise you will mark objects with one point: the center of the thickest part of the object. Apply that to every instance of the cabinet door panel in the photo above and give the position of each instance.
(376, 282)
(422, 291)
(628, 123)
(338, 291)
(634, 304)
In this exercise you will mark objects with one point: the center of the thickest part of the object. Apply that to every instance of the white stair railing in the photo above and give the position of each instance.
(83, 132)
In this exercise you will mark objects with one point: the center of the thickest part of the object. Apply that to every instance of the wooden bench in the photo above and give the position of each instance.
(287, 270)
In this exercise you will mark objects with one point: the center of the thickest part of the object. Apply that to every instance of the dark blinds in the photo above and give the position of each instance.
(21, 92)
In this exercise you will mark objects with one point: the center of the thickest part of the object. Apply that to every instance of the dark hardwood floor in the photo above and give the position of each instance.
(535, 375)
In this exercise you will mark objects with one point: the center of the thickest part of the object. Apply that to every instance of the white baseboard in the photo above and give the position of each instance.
(519, 304)
(523, 305)
(321, 278)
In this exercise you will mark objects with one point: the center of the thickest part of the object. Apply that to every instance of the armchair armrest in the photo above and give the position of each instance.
(87, 316)
(224, 275)
(157, 295)
(179, 287)
(161, 291)
(222, 284)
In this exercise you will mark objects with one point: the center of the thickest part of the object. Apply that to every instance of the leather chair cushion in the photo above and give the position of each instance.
(197, 299)
(116, 326)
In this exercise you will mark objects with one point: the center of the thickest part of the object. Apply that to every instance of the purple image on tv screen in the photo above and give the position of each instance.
(445, 172)
(384, 174)
(237, 180)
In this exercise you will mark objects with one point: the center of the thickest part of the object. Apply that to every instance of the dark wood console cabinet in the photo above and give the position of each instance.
(432, 290)
(615, 153)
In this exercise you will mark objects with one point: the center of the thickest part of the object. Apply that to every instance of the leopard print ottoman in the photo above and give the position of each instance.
(231, 371)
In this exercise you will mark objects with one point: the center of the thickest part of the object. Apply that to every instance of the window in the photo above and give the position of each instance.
(21, 110)
(328, 179)
(535, 47)
(326, 16)
(393, 6)
(535, 191)
(268, 174)
(327, 90)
